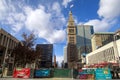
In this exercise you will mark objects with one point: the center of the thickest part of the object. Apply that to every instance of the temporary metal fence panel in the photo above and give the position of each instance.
(75, 73)
(64, 73)
(31, 73)
(86, 71)
(21, 73)
(42, 73)
(86, 74)
(102, 73)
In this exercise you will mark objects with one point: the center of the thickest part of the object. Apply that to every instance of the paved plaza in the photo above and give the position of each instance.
(38, 79)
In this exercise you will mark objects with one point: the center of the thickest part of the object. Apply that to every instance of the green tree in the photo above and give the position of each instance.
(24, 52)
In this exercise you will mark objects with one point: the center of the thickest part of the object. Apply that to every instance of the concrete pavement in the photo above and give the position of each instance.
(38, 79)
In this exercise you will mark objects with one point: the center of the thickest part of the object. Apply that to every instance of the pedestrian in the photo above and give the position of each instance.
(117, 76)
(112, 73)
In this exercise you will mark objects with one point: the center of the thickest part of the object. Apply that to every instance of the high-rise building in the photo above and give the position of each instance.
(100, 39)
(46, 52)
(7, 44)
(55, 64)
(65, 54)
(65, 57)
(84, 33)
(71, 42)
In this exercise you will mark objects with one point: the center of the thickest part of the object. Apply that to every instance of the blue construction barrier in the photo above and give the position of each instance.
(42, 73)
(103, 74)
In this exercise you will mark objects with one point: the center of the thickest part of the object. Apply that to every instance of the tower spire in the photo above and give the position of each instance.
(70, 20)
(70, 12)
(70, 17)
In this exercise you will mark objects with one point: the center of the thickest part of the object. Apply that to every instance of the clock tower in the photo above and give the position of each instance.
(71, 30)
(71, 42)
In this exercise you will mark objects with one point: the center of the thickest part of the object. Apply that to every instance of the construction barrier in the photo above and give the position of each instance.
(102, 74)
(64, 73)
(21, 73)
(95, 73)
(86, 74)
(42, 73)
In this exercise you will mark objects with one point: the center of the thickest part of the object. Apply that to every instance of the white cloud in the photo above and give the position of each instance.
(19, 17)
(37, 19)
(56, 7)
(59, 59)
(46, 25)
(57, 36)
(65, 3)
(10, 15)
(16, 20)
(109, 9)
(99, 25)
(108, 12)
(17, 27)
(71, 6)
(3, 9)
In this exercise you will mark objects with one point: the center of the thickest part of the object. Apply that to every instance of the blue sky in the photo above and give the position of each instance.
(48, 18)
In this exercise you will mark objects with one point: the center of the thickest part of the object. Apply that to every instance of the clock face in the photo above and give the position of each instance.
(71, 30)
(71, 24)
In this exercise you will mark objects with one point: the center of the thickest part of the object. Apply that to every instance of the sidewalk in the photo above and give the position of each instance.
(38, 79)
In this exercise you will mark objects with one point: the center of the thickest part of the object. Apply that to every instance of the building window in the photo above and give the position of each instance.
(0, 37)
(4, 40)
(71, 39)
(1, 53)
(92, 31)
(71, 30)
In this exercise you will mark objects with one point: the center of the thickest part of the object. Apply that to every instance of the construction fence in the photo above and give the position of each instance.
(88, 73)
(44, 73)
